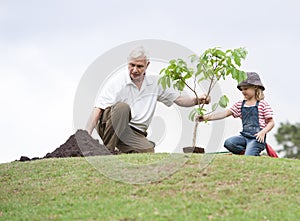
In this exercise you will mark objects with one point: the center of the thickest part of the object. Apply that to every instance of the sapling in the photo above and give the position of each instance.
(212, 66)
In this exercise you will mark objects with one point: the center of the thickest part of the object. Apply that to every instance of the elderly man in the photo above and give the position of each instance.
(125, 107)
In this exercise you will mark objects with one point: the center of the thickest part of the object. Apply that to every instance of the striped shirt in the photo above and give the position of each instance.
(264, 112)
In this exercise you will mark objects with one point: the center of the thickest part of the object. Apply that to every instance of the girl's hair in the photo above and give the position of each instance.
(259, 93)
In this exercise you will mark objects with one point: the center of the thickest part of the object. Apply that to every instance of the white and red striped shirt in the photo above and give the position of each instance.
(264, 112)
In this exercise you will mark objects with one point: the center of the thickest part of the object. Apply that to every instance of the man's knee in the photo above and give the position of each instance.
(147, 148)
(121, 107)
(144, 150)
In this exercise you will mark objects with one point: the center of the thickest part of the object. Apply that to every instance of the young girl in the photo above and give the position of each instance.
(256, 115)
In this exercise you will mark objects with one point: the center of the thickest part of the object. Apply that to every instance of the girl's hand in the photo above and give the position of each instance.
(200, 118)
(260, 136)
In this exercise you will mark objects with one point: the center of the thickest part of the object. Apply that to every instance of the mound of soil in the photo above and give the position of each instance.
(78, 145)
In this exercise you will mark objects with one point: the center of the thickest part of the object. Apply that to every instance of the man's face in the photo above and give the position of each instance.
(137, 68)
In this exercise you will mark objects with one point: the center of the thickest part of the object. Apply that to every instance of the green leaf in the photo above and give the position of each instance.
(179, 85)
(223, 102)
(237, 60)
(172, 62)
(162, 71)
(188, 75)
(169, 82)
(200, 111)
(214, 106)
(192, 115)
(228, 51)
(201, 79)
(193, 58)
(163, 82)
(182, 85)
(241, 76)
(234, 74)
(220, 54)
(228, 71)
(229, 61)
(242, 52)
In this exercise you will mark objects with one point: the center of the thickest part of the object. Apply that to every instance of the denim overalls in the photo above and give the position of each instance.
(246, 142)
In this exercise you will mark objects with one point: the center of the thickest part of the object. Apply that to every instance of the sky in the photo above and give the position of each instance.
(46, 47)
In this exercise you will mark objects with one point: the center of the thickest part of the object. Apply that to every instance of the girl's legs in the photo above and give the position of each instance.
(254, 147)
(236, 144)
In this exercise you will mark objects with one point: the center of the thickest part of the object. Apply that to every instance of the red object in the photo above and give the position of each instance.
(271, 152)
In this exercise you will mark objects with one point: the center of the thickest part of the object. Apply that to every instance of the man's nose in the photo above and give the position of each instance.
(134, 69)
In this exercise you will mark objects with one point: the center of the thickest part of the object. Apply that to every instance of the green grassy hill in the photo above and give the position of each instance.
(204, 187)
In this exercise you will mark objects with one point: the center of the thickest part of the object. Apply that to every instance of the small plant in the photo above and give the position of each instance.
(213, 65)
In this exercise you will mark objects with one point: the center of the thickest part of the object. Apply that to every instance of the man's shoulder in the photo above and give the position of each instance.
(151, 79)
(152, 76)
(118, 78)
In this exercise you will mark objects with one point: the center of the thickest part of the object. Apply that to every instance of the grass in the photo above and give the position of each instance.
(225, 187)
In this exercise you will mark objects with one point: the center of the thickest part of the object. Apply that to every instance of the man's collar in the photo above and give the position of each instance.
(148, 80)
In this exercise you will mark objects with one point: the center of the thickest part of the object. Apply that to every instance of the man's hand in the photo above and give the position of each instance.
(203, 99)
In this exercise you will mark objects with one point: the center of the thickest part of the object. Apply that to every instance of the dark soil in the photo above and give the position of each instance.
(78, 145)
(82, 144)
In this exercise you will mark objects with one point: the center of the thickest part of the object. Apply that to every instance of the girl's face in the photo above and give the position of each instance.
(248, 92)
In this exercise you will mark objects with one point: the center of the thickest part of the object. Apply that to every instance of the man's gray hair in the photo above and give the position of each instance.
(138, 52)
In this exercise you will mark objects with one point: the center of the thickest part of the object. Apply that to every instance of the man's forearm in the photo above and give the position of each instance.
(93, 120)
(187, 101)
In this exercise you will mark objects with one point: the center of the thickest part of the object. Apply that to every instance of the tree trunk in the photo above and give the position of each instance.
(195, 134)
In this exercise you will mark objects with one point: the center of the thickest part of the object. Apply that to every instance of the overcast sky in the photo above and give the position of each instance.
(46, 46)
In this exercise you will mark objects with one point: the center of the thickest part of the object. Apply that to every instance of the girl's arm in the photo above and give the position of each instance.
(260, 136)
(216, 116)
